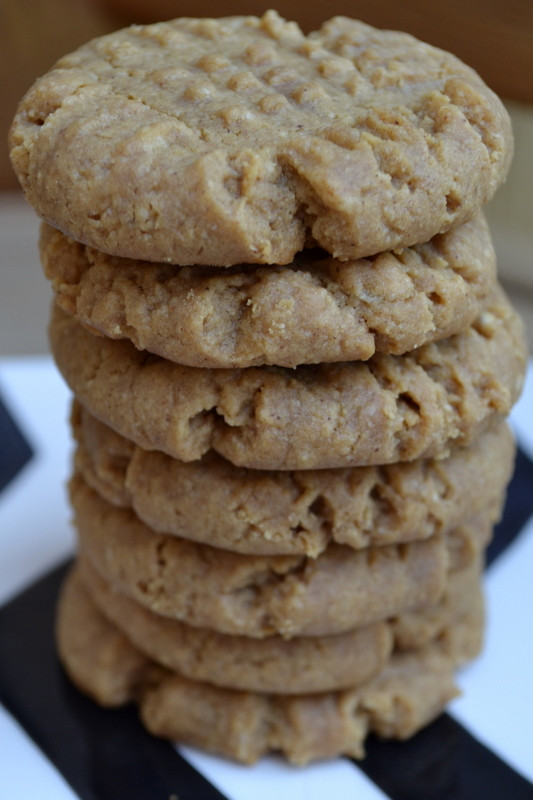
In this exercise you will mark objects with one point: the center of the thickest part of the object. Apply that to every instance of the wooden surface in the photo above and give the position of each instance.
(493, 36)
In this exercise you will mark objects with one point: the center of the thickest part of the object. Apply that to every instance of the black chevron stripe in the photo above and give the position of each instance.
(103, 754)
(15, 450)
(518, 508)
(442, 762)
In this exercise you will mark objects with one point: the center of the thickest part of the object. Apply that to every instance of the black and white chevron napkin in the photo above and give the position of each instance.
(102, 754)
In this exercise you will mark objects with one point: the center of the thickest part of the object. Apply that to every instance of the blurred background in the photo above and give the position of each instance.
(493, 36)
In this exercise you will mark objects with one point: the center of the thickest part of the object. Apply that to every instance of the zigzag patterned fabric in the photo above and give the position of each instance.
(480, 748)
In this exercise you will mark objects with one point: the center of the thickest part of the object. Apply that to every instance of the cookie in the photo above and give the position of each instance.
(405, 697)
(239, 140)
(96, 654)
(412, 690)
(315, 310)
(297, 666)
(260, 596)
(300, 512)
(414, 629)
(388, 409)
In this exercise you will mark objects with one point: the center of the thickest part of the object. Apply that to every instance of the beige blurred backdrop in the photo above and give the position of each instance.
(493, 36)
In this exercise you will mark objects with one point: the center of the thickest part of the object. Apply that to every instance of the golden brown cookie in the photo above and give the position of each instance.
(315, 310)
(236, 140)
(297, 666)
(260, 596)
(275, 513)
(414, 629)
(405, 696)
(273, 664)
(388, 409)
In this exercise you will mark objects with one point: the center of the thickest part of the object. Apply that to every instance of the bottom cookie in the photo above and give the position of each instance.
(411, 691)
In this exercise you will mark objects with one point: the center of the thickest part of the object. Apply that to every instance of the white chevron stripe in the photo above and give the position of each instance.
(497, 701)
(497, 704)
(24, 771)
(273, 778)
(33, 508)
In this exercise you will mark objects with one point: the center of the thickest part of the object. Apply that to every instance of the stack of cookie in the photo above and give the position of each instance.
(278, 311)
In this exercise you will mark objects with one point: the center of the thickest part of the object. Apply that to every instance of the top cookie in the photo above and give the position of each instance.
(202, 141)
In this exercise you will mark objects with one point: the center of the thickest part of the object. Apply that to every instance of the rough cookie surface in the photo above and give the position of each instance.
(412, 690)
(315, 310)
(239, 140)
(414, 629)
(385, 410)
(296, 666)
(260, 596)
(298, 512)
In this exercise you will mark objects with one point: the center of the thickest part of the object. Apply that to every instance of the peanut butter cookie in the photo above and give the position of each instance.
(317, 309)
(301, 665)
(259, 596)
(406, 695)
(292, 512)
(385, 410)
(240, 140)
